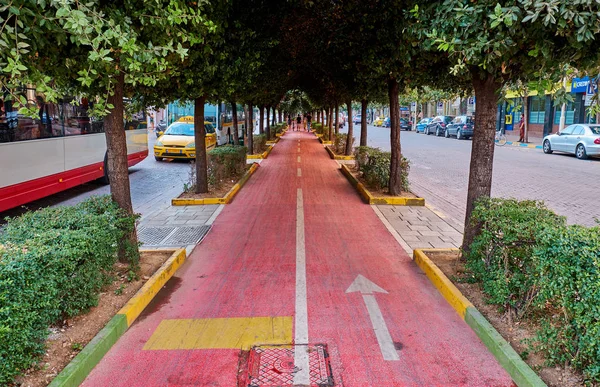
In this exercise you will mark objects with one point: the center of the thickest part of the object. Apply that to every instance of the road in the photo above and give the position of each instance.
(153, 185)
(440, 173)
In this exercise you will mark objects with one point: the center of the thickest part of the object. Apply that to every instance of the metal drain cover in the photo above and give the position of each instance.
(172, 236)
(272, 366)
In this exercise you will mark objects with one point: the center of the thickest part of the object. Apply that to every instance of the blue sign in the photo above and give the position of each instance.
(471, 101)
(580, 85)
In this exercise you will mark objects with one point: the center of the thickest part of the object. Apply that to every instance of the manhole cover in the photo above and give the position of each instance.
(171, 236)
(274, 366)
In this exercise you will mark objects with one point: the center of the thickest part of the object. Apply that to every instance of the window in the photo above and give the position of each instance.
(537, 110)
(578, 130)
(569, 113)
(595, 129)
(568, 130)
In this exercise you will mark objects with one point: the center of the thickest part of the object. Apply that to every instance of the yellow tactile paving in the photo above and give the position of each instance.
(220, 333)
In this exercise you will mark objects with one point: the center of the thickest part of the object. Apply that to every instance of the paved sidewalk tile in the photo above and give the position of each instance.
(420, 227)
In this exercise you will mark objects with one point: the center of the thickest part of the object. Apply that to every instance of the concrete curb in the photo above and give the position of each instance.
(508, 358)
(261, 156)
(273, 142)
(225, 199)
(80, 367)
(338, 157)
(370, 199)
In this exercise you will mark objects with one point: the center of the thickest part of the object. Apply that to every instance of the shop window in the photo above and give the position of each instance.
(537, 110)
(569, 114)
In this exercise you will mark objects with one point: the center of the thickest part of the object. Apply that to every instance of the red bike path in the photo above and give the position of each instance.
(277, 268)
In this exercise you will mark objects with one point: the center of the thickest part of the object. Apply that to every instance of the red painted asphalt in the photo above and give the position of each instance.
(246, 267)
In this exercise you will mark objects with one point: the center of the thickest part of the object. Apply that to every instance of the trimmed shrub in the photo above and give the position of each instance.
(226, 162)
(374, 167)
(53, 264)
(568, 279)
(259, 141)
(501, 255)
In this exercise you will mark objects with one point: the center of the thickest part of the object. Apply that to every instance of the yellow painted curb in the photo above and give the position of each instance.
(142, 298)
(370, 199)
(337, 157)
(261, 156)
(273, 142)
(224, 200)
(441, 282)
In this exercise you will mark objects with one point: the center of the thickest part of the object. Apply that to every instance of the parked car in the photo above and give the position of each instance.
(405, 124)
(422, 125)
(461, 127)
(357, 119)
(379, 121)
(437, 126)
(582, 140)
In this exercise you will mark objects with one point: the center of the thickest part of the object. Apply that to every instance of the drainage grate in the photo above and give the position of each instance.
(172, 236)
(152, 236)
(274, 366)
(183, 236)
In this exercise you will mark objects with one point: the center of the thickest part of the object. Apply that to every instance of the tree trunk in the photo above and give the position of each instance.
(350, 135)
(526, 118)
(482, 149)
(336, 121)
(329, 119)
(118, 169)
(200, 140)
(234, 125)
(250, 129)
(395, 186)
(261, 127)
(280, 116)
(274, 117)
(363, 123)
(335, 124)
(268, 128)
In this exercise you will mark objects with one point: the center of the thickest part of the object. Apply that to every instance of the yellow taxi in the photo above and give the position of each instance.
(379, 121)
(178, 140)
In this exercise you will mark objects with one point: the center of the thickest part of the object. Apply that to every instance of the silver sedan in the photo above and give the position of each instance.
(582, 140)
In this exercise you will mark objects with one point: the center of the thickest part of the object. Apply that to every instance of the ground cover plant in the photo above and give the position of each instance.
(53, 264)
(534, 266)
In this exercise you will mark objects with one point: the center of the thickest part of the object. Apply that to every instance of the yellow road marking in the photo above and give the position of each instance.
(220, 333)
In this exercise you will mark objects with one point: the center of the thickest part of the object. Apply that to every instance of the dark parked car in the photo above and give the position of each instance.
(404, 124)
(461, 127)
(437, 126)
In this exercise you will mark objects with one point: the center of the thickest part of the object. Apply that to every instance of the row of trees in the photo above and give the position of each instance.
(255, 51)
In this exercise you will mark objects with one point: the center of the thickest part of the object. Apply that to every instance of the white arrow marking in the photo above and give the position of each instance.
(367, 288)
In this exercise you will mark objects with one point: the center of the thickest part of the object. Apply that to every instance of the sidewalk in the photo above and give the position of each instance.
(300, 267)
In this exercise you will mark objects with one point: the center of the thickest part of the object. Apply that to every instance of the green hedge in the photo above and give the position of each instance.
(259, 142)
(531, 264)
(226, 162)
(53, 264)
(374, 166)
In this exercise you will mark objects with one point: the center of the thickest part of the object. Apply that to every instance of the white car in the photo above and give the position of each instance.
(582, 140)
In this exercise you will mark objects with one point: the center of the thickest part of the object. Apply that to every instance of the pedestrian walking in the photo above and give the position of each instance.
(420, 116)
(521, 130)
(298, 121)
(289, 120)
(308, 118)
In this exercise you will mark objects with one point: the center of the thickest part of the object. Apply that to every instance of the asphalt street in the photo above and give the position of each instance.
(440, 173)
